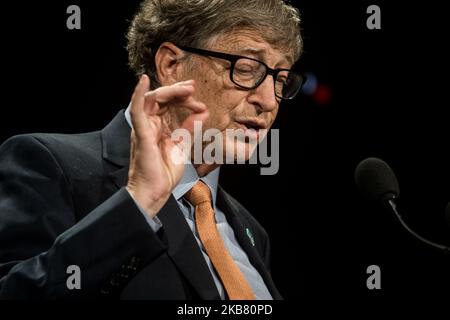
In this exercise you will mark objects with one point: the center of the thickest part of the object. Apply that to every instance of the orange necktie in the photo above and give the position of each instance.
(233, 280)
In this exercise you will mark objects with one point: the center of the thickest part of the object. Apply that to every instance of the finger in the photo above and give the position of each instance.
(190, 103)
(188, 123)
(172, 96)
(176, 91)
(165, 96)
(137, 104)
(175, 153)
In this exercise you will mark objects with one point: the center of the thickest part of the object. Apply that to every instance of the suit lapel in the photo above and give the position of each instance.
(244, 238)
(182, 246)
(185, 252)
(116, 154)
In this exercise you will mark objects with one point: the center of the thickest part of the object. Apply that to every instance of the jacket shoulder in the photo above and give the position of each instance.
(78, 157)
(54, 142)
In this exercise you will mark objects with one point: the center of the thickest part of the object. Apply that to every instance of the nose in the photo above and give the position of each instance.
(264, 95)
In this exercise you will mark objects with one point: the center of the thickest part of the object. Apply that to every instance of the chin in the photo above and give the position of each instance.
(239, 151)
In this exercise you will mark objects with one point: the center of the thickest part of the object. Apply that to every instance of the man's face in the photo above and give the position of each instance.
(231, 107)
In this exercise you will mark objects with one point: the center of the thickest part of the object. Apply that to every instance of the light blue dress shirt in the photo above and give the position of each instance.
(188, 180)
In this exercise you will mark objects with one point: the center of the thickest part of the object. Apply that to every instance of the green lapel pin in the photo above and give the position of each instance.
(250, 236)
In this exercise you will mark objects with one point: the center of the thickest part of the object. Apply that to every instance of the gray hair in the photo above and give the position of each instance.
(195, 22)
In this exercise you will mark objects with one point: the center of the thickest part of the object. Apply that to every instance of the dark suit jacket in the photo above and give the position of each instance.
(63, 202)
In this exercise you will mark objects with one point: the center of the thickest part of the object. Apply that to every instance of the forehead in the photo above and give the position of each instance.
(250, 43)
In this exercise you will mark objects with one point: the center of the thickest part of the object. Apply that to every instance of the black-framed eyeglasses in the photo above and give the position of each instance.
(249, 73)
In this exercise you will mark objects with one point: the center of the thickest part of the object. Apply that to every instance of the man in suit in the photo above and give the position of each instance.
(116, 206)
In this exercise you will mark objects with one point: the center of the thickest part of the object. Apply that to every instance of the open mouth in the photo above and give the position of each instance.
(251, 127)
(251, 124)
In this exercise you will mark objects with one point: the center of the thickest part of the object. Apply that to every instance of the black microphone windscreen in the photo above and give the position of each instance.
(376, 180)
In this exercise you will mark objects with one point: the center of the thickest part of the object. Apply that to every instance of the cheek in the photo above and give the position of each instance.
(272, 116)
(220, 116)
(221, 96)
(222, 104)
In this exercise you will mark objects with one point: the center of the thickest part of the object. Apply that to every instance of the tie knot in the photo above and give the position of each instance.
(199, 193)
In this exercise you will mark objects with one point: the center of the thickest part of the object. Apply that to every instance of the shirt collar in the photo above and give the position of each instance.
(128, 116)
(190, 176)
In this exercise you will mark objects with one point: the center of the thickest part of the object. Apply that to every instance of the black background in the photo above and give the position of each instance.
(388, 99)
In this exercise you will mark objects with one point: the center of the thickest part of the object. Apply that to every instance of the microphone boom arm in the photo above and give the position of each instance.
(393, 205)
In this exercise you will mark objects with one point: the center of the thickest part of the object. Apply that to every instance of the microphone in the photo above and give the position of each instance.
(377, 182)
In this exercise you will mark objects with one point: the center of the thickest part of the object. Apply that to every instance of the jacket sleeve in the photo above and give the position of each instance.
(40, 238)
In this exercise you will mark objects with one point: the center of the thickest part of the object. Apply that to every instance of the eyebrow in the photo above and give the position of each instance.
(260, 53)
(253, 51)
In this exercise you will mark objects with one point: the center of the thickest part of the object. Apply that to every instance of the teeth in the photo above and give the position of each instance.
(252, 126)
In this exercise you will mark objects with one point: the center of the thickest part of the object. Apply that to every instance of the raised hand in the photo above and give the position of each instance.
(153, 173)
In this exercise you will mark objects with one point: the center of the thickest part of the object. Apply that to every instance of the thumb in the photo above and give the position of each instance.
(137, 111)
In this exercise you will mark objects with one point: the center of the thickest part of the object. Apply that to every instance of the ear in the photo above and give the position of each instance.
(168, 66)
